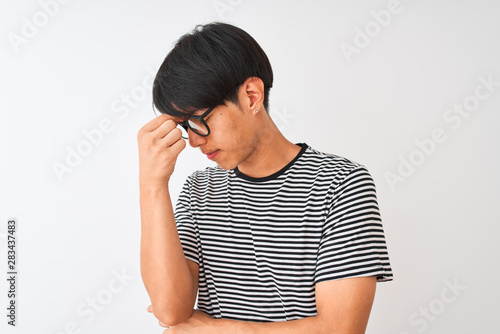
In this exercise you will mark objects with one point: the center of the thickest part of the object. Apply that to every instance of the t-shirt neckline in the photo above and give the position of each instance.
(276, 174)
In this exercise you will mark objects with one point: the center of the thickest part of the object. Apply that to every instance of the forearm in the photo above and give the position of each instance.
(311, 325)
(343, 307)
(164, 268)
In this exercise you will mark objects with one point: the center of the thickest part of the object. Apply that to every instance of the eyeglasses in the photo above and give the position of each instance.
(197, 124)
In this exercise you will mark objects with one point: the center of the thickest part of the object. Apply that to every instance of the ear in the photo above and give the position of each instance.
(253, 94)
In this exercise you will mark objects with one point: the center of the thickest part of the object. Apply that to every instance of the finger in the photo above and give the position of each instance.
(178, 146)
(150, 308)
(165, 128)
(158, 121)
(172, 137)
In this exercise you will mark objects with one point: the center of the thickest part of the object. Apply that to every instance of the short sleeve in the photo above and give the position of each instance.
(353, 242)
(188, 232)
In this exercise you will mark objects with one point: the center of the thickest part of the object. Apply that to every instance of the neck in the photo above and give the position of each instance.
(272, 152)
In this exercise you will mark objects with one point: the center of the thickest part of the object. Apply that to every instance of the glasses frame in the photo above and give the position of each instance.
(201, 118)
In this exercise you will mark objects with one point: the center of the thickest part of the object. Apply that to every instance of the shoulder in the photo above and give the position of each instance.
(209, 175)
(333, 167)
(328, 160)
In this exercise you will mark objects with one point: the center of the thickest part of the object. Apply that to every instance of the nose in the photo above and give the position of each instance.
(195, 140)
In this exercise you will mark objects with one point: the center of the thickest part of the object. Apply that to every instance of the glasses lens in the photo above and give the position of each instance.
(184, 130)
(197, 126)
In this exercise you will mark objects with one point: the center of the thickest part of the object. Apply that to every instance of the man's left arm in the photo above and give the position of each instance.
(343, 306)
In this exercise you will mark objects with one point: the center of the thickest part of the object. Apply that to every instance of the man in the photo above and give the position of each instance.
(279, 238)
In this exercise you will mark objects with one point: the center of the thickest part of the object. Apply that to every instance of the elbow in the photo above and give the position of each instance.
(171, 316)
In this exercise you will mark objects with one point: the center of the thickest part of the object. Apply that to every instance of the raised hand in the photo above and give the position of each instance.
(160, 143)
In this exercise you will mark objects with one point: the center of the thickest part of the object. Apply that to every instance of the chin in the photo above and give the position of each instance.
(227, 166)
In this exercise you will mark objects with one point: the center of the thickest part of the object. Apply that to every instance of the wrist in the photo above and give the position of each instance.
(146, 183)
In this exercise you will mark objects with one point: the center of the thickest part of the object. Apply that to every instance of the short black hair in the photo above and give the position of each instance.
(206, 66)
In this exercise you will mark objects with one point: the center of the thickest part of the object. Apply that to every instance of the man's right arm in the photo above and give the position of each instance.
(170, 280)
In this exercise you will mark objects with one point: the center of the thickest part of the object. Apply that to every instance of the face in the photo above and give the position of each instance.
(233, 136)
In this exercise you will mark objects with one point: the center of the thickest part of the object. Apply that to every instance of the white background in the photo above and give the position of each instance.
(75, 69)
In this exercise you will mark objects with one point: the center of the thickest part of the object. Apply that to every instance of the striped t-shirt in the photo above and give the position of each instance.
(263, 243)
